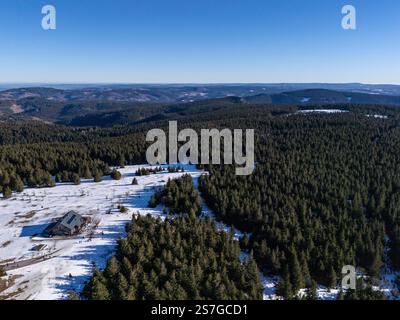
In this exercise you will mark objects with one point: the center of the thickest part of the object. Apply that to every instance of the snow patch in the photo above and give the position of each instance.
(322, 111)
(377, 116)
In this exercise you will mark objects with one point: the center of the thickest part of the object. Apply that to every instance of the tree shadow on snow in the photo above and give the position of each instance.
(96, 255)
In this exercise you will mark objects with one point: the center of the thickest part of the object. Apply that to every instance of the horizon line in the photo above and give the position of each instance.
(195, 83)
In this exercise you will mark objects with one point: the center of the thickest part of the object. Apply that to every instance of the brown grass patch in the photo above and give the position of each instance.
(8, 283)
(28, 215)
(16, 108)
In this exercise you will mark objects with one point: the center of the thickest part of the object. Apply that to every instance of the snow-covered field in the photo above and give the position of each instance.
(65, 264)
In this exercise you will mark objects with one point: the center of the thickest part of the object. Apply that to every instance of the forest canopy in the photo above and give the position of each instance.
(325, 192)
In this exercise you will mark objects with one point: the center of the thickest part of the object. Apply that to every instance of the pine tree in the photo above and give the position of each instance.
(96, 289)
(340, 295)
(376, 264)
(252, 278)
(122, 161)
(311, 293)
(245, 241)
(98, 177)
(122, 287)
(72, 295)
(296, 272)
(332, 280)
(86, 172)
(76, 179)
(19, 184)
(99, 290)
(112, 268)
(116, 175)
(284, 287)
(7, 192)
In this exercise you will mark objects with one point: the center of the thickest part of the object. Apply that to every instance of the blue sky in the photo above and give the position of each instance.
(199, 41)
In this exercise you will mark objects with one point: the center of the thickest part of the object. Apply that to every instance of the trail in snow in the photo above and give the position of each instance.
(268, 283)
(388, 277)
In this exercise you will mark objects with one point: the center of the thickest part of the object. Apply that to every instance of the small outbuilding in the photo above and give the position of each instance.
(70, 224)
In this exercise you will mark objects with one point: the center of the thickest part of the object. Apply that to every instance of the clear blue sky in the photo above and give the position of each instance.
(176, 41)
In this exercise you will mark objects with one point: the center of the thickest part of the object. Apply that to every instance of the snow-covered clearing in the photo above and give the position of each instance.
(65, 264)
(334, 111)
(322, 111)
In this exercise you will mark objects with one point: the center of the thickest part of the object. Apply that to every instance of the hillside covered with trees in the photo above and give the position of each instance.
(181, 258)
(325, 193)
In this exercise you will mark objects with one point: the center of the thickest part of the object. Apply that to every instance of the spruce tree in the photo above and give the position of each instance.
(98, 177)
(116, 175)
(284, 287)
(76, 179)
(311, 293)
(7, 192)
(296, 272)
(332, 280)
(19, 184)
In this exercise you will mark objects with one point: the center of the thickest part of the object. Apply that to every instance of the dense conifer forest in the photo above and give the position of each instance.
(324, 194)
(179, 195)
(325, 191)
(181, 258)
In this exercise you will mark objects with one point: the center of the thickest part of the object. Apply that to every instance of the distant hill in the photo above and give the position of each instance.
(323, 96)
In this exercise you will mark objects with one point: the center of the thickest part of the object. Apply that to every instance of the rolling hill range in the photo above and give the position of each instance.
(100, 107)
(174, 93)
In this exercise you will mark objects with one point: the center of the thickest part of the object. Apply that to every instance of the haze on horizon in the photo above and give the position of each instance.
(192, 42)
